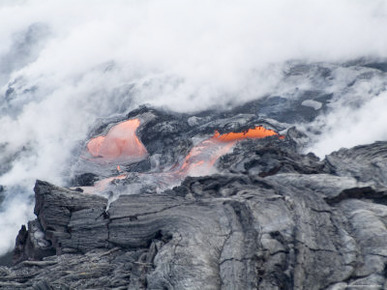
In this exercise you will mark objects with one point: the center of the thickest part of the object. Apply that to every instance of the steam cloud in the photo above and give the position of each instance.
(65, 64)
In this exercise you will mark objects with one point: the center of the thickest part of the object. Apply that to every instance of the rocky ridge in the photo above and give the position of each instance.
(273, 220)
(270, 217)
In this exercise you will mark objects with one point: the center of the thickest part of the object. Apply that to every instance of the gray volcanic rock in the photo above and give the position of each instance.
(300, 227)
(270, 218)
(365, 163)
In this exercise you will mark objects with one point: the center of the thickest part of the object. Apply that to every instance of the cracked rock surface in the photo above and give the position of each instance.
(270, 218)
(308, 225)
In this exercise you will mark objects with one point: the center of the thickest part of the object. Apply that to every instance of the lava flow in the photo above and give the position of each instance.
(201, 159)
(120, 143)
(258, 132)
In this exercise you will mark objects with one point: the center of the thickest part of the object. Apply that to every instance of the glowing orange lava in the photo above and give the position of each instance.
(201, 159)
(121, 142)
(256, 133)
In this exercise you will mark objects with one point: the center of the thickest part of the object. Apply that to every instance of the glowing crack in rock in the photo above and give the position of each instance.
(120, 143)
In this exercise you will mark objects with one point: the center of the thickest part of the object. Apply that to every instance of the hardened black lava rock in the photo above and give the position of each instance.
(306, 225)
(271, 217)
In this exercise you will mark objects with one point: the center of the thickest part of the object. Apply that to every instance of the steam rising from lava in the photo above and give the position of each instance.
(64, 65)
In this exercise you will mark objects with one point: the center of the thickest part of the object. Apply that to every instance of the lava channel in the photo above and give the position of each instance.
(201, 159)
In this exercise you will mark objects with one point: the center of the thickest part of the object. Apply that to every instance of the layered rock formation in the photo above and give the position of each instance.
(272, 219)
(266, 217)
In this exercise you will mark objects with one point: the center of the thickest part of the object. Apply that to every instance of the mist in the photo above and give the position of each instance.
(64, 65)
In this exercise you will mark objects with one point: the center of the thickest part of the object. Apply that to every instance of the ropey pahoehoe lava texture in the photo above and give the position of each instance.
(258, 215)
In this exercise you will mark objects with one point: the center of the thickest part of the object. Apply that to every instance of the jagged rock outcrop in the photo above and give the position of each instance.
(271, 219)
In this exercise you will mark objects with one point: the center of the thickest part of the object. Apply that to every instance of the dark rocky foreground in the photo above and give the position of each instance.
(272, 219)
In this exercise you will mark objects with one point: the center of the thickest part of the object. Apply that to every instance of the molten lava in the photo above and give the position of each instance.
(201, 158)
(120, 143)
(256, 133)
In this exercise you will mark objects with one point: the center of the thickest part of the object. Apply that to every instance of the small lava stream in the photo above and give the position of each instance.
(122, 144)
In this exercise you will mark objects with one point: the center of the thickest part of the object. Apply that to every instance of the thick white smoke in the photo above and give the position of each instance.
(347, 128)
(64, 64)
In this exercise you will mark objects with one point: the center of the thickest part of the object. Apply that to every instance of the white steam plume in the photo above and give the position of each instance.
(347, 128)
(64, 64)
